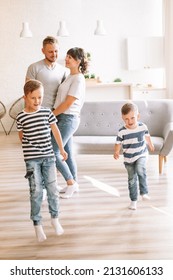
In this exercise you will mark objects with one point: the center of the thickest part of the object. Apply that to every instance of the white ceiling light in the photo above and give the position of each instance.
(62, 31)
(100, 30)
(26, 32)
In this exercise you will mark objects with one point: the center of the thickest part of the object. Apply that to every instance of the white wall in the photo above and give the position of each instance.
(122, 19)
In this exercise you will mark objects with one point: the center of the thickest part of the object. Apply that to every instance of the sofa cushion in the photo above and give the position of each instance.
(104, 144)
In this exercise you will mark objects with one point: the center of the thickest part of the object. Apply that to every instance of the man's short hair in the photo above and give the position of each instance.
(50, 40)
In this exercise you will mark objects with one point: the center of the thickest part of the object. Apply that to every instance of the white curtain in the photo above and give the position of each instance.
(168, 33)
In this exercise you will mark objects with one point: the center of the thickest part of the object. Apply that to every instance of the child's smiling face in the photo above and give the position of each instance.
(131, 119)
(33, 100)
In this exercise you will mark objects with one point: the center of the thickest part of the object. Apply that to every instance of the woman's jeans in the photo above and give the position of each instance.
(42, 172)
(137, 171)
(67, 125)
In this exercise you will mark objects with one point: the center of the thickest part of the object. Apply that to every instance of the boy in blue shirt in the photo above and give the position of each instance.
(134, 138)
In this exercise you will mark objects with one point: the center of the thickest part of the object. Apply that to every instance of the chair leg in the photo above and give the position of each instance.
(165, 159)
(3, 127)
(161, 160)
(11, 127)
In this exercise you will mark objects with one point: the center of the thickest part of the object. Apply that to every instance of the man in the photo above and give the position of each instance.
(48, 71)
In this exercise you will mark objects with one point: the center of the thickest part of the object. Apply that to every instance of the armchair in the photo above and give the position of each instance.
(16, 107)
(2, 114)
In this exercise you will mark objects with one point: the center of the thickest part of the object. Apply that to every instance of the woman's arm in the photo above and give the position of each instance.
(64, 105)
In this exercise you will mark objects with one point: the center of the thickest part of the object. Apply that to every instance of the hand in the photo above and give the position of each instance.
(64, 155)
(116, 155)
(152, 148)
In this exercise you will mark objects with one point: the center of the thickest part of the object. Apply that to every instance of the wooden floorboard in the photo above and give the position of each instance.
(97, 222)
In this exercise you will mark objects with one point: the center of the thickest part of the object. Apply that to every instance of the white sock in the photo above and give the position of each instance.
(71, 189)
(133, 205)
(57, 227)
(40, 233)
(145, 196)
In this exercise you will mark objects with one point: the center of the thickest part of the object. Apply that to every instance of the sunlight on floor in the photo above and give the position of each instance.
(102, 186)
(161, 211)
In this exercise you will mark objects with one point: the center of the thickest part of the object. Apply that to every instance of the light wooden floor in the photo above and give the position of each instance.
(97, 222)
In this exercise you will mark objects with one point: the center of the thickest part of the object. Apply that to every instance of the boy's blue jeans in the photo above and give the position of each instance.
(41, 173)
(67, 125)
(137, 172)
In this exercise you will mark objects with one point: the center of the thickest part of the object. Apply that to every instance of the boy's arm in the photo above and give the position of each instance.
(57, 135)
(117, 148)
(149, 143)
(20, 133)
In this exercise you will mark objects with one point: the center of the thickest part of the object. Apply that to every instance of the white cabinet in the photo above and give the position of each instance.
(145, 53)
(149, 93)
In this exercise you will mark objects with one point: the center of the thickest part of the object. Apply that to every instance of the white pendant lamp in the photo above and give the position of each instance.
(26, 32)
(100, 30)
(62, 31)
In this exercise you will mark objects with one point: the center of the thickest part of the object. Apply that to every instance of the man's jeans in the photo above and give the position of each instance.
(137, 171)
(67, 125)
(42, 171)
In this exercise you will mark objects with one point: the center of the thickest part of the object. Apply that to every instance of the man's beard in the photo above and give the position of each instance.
(51, 60)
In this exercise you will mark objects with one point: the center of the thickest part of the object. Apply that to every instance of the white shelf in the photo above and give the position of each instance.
(117, 84)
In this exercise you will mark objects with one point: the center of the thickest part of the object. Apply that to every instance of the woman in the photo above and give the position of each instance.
(69, 101)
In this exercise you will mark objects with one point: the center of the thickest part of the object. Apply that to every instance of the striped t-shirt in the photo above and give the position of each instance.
(36, 141)
(133, 142)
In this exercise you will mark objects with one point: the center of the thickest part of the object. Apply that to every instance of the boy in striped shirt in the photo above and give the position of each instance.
(34, 125)
(134, 138)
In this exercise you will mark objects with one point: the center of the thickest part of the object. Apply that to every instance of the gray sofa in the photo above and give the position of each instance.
(100, 122)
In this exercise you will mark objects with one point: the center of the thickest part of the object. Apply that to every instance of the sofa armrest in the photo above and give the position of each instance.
(168, 139)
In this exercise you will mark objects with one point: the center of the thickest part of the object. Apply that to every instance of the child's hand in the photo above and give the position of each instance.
(64, 155)
(152, 148)
(116, 155)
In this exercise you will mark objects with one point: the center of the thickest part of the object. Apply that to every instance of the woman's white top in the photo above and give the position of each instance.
(74, 85)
